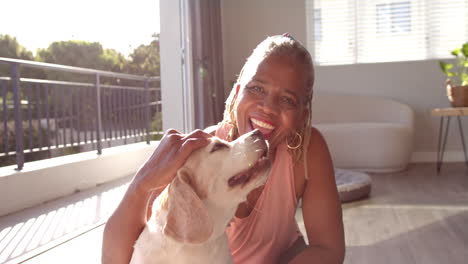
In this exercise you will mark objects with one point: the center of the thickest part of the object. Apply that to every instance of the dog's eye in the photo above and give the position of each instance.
(218, 146)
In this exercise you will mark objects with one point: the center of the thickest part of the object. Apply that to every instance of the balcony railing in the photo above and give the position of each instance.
(51, 108)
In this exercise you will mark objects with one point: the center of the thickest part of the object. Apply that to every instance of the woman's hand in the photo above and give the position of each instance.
(171, 153)
(128, 220)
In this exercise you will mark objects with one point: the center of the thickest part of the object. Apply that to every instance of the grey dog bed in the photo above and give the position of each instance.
(351, 185)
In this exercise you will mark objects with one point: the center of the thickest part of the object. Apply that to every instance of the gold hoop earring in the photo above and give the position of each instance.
(298, 145)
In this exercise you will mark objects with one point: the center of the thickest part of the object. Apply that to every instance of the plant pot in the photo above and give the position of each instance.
(457, 95)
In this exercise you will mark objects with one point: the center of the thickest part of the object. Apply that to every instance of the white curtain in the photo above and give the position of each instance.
(365, 31)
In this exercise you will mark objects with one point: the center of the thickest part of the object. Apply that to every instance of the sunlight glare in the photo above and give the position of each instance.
(72, 224)
(399, 220)
(51, 228)
(3, 233)
(117, 24)
(5, 244)
(21, 238)
(34, 229)
(64, 221)
(88, 214)
(42, 228)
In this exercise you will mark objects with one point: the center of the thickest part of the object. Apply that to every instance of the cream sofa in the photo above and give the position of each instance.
(365, 133)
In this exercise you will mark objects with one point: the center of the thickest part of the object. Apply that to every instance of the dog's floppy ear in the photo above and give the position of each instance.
(187, 219)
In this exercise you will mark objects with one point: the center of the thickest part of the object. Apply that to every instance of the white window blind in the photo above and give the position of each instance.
(365, 31)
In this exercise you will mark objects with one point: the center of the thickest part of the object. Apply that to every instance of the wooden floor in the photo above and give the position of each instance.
(415, 216)
(411, 217)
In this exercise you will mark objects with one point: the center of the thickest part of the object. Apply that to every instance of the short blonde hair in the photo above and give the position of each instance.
(280, 45)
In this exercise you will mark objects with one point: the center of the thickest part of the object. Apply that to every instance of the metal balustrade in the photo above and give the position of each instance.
(82, 108)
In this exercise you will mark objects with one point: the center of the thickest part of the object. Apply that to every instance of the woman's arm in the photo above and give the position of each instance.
(124, 226)
(321, 208)
(126, 223)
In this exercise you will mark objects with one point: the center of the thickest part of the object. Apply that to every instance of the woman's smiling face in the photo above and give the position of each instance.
(273, 100)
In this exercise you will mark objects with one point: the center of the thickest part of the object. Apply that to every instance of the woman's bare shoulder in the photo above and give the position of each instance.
(318, 156)
(313, 160)
(317, 144)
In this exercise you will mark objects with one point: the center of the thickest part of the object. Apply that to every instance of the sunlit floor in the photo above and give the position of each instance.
(85, 248)
(30, 232)
(414, 216)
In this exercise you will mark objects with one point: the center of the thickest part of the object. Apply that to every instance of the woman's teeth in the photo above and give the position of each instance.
(262, 124)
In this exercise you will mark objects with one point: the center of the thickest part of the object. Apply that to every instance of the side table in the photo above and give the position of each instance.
(447, 113)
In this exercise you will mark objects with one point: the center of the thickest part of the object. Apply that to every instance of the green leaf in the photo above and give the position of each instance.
(445, 67)
(455, 52)
(464, 78)
(465, 50)
(450, 74)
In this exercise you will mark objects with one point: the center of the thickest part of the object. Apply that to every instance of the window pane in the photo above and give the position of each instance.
(393, 18)
(336, 42)
(365, 31)
(317, 24)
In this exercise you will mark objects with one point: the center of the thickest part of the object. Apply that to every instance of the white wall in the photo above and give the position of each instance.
(45, 180)
(247, 22)
(418, 84)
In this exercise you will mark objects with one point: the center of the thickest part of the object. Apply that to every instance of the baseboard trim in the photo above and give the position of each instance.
(449, 156)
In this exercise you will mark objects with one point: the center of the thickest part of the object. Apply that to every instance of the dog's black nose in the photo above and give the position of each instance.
(257, 134)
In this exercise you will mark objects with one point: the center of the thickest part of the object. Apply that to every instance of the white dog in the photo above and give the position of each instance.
(190, 216)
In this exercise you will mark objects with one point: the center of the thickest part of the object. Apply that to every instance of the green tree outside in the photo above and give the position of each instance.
(144, 60)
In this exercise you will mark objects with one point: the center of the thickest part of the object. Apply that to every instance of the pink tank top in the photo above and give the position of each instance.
(271, 228)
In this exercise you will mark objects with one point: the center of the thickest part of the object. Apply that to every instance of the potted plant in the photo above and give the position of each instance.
(457, 77)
